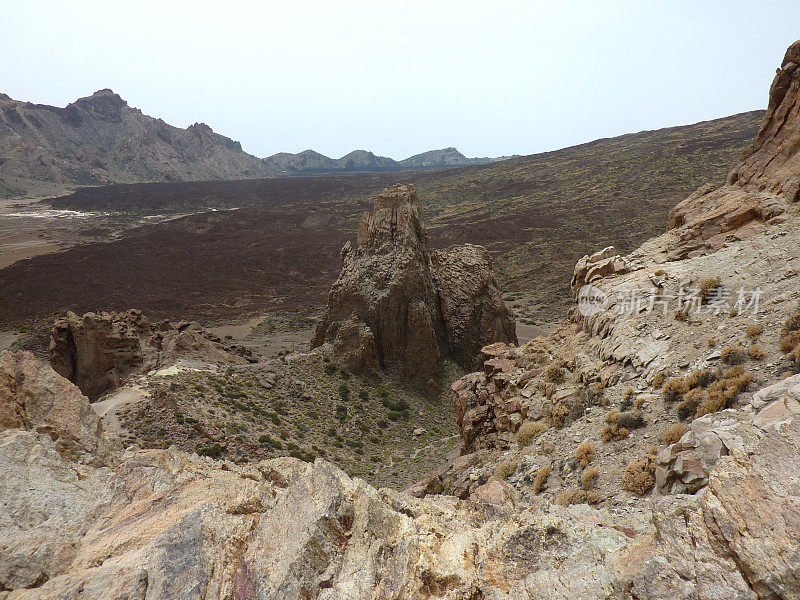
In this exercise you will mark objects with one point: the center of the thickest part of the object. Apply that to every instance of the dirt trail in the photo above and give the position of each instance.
(108, 409)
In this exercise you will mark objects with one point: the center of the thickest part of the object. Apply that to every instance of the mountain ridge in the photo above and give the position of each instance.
(100, 139)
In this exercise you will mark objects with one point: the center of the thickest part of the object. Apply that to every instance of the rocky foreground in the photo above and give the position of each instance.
(78, 523)
(707, 506)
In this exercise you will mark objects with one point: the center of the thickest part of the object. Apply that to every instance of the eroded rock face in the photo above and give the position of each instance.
(99, 350)
(33, 396)
(472, 306)
(398, 307)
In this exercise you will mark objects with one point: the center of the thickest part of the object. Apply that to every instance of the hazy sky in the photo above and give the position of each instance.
(401, 77)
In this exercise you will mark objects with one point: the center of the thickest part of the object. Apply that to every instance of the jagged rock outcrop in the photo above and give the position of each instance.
(163, 524)
(396, 307)
(33, 396)
(99, 350)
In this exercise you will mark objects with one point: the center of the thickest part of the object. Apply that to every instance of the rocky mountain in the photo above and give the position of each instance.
(100, 139)
(645, 450)
(362, 161)
(399, 306)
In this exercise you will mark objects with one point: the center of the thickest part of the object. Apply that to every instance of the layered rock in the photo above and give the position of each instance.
(398, 307)
(99, 350)
(33, 396)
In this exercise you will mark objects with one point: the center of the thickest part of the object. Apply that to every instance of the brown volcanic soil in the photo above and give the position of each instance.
(279, 250)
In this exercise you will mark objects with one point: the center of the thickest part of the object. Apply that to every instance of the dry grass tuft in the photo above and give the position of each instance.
(673, 389)
(558, 415)
(541, 479)
(505, 469)
(733, 355)
(754, 330)
(554, 374)
(675, 433)
(585, 453)
(588, 477)
(707, 285)
(639, 476)
(658, 379)
(529, 431)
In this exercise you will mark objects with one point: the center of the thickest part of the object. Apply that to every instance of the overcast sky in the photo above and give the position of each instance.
(400, 77)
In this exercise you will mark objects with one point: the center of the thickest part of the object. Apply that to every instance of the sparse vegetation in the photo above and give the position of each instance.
(708, 286)
(754, 330)
(505, 469)
(611, 430)
(554, 374)
(732, 355)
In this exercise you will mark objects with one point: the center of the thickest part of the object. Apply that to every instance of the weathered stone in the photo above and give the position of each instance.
(404, 308)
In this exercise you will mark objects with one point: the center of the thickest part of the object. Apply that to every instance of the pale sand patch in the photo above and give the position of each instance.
(7, 338)
(526, 333)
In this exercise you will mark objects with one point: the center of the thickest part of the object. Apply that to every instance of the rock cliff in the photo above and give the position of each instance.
(99, 350)
(397, 306)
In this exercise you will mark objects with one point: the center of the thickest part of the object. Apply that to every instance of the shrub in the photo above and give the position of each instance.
(707, 285)
(756, 352)
(631, 419)
(754, 330)
(673, 389)
(344, 373)
(697, 379)
(712, 342)
(212, 450)
(554, 374)
(529, 431)
(588, 476)
(732, 355)
(611, 430)
(639, 476)
(558, 415)
(540, 479)
(505, 469)
(688, 406)
(675, 433)
(584, 453)
(341, 412)
(364, 395)
(330, 369)
(658, 379)
(568, 497)
(344, 391)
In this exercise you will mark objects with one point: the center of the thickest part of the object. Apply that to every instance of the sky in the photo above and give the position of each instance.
(400, 77)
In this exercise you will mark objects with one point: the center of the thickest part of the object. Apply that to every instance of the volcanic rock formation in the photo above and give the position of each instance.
(397, 306)
(97, 351)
